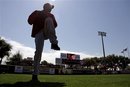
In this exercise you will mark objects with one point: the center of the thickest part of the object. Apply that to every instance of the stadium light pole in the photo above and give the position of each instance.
(102, 34)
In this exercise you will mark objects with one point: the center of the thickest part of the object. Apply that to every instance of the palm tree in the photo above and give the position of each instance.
(4, 49)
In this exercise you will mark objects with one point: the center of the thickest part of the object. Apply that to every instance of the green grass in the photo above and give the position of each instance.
(23, 80)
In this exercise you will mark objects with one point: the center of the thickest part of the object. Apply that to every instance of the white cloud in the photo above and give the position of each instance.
(48, 56)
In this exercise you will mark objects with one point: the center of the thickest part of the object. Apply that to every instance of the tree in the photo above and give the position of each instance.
(44, 62)
(4, 49)
(15, 59)
(27, 62)
(111, 61)
(114, 61)
(87, 62)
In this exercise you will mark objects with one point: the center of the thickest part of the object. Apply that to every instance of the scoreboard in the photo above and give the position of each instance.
(68, 58)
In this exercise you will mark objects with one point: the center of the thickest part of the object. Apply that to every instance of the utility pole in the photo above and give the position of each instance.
(102, 34)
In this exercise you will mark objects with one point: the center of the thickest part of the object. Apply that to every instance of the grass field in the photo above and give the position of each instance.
(24, 80)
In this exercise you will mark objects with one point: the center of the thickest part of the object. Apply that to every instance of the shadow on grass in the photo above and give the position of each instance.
(34, 84)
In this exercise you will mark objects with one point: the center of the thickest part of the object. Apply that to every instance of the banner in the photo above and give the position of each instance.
(18, 69)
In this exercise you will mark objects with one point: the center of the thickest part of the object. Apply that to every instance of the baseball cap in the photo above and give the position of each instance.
(48, 5)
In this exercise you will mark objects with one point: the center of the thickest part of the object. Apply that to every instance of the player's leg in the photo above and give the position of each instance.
(39, 43)
(50, 31)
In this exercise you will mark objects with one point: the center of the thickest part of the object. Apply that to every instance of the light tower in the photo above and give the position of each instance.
(102, 34)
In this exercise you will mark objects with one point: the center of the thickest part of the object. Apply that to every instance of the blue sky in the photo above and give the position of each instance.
(78, 24)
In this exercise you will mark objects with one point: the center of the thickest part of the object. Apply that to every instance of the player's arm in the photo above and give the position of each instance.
(32, 18)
